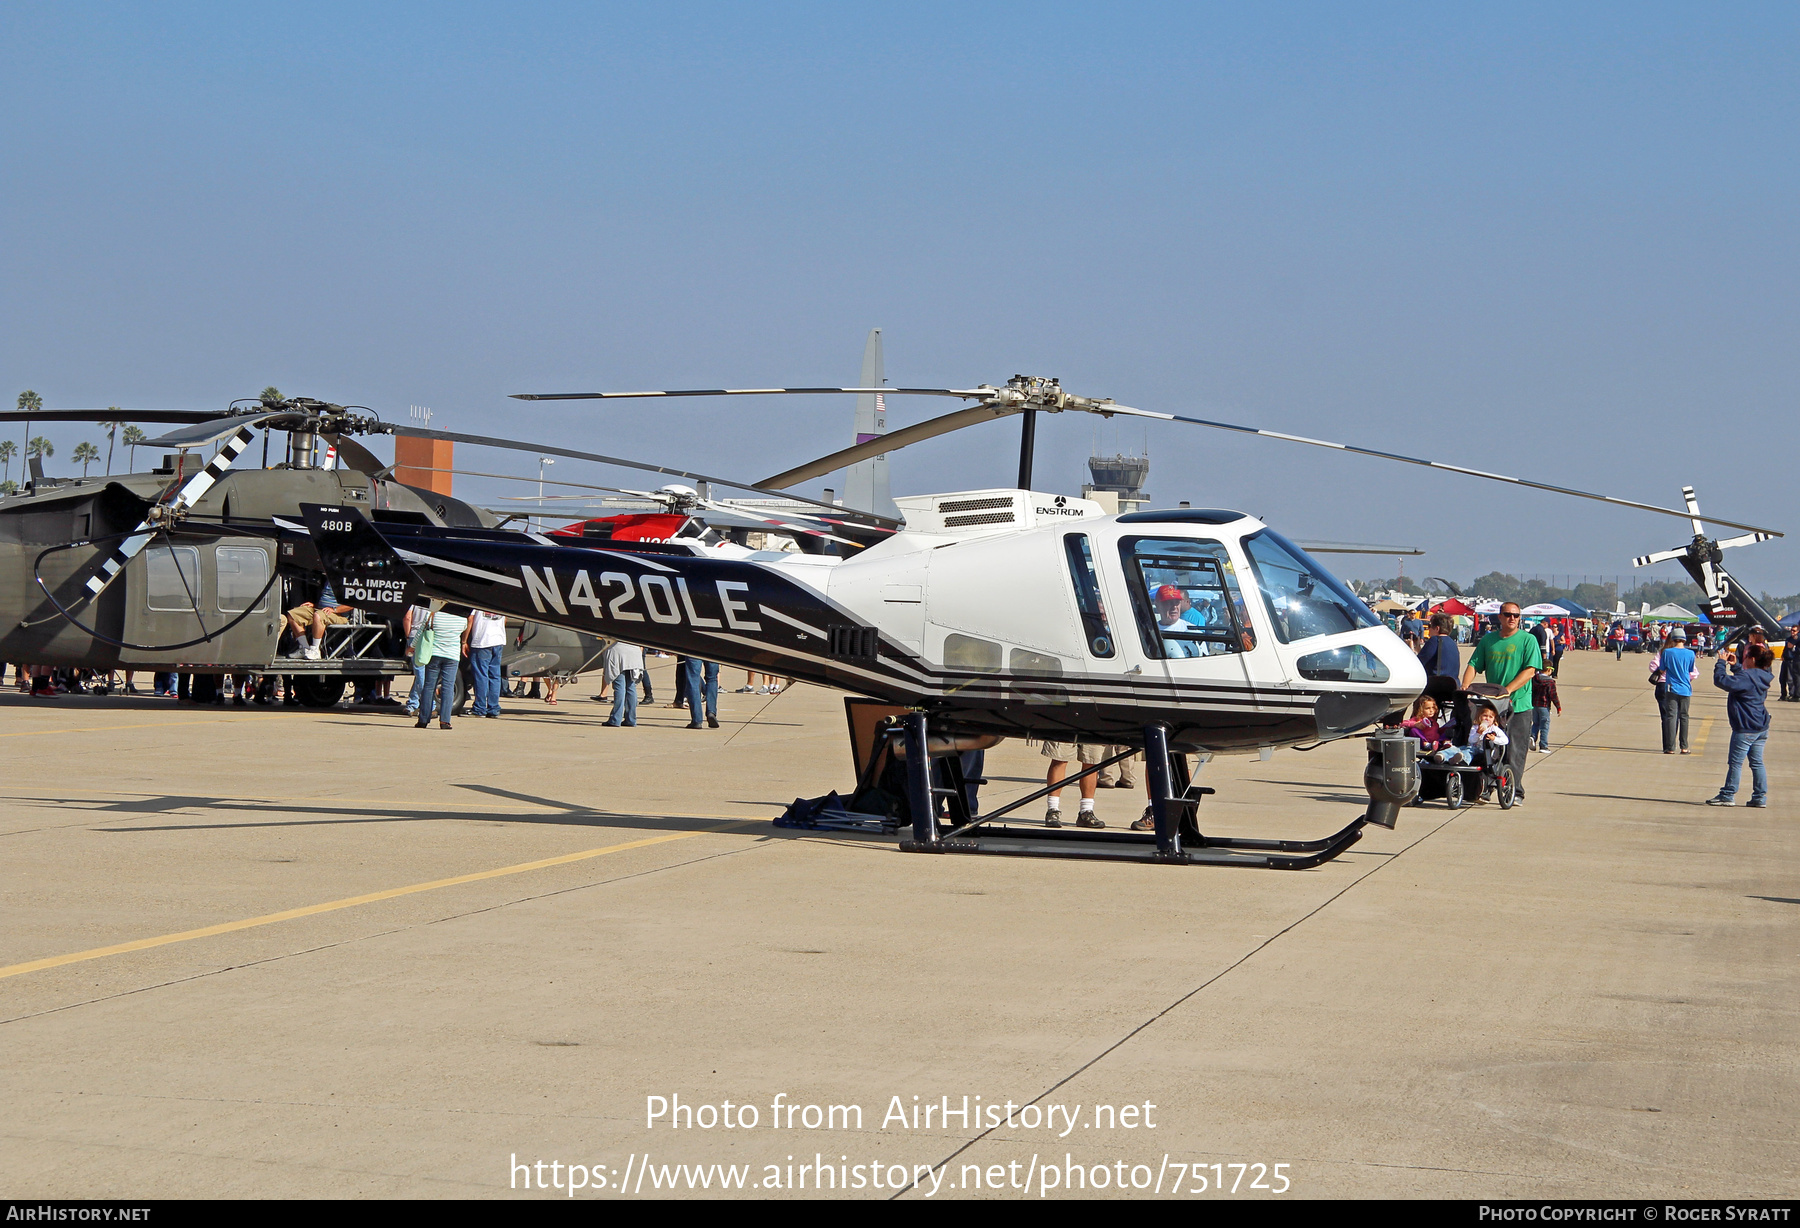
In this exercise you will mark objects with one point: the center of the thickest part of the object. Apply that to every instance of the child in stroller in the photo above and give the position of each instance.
(1474, 762)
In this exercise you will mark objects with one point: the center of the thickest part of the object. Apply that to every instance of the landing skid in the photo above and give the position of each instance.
(1141, 846)
(1177, 839)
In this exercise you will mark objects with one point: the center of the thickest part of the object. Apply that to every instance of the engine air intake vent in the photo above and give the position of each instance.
(854, 643)
(963, 522)
(975, 505)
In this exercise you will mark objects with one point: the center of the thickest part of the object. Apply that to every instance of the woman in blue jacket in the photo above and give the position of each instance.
(1745, 688)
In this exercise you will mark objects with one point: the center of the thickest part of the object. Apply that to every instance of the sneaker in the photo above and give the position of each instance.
(712, 722)
(1146, 822)
(1721, 801)
(1087, 818)
(1053, 817)
(1757, 803)
(311, 653)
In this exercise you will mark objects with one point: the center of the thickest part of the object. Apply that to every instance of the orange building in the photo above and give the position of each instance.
(425, 463)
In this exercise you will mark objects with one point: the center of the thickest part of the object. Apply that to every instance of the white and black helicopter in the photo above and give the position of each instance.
(982, 614)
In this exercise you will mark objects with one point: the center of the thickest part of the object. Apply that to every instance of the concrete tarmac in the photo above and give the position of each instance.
(282, 953)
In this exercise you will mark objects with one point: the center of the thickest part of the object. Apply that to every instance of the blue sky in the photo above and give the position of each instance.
(1552, 240)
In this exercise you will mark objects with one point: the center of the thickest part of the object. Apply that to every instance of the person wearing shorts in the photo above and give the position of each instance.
(1061, 754)
(309, 620)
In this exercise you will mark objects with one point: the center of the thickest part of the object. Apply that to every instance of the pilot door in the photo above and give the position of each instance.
(1194, 626)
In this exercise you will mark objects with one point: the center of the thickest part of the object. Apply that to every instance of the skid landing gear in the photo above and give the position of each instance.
(1175, 804)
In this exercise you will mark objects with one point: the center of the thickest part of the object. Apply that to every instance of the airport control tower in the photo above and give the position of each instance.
(1118, 481)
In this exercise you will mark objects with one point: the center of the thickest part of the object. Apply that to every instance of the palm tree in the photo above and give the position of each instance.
(132, 437)
(40, 447)
(112, 431)
(84, 455)
(271, 395)
(29, 403)
(8, 450)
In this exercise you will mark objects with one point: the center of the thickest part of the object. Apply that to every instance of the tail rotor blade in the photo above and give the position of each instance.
(1693, 507)
(190, 493)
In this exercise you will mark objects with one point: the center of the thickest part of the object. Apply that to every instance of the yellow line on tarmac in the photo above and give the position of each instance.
(1705, 728)
(313, 910)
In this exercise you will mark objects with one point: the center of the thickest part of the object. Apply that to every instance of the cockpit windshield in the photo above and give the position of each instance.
(1304, 599)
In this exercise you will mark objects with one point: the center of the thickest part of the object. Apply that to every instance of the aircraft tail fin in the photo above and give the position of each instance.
(365, 570)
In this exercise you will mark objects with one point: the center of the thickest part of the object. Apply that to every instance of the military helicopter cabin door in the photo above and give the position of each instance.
(1194, 627)
(182, 590)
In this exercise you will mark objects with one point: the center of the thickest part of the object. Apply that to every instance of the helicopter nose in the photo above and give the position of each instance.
(1342, 712)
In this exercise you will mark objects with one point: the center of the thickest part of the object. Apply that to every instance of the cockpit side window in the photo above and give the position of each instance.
(1303, 599)
(1087, 594)
(1186, 598)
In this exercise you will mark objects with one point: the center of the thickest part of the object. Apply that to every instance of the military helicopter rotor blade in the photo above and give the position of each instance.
(172, 416)
(1661, 556)
(489, 441)
(356, 457)
(216, 427)
(1748, 539)
(189, 493)
(965, 393)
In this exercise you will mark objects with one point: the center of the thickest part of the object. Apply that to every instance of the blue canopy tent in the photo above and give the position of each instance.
(1575, 608)
(1792, 620)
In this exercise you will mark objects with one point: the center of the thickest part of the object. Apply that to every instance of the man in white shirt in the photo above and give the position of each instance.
(620, 669)
(487, 636)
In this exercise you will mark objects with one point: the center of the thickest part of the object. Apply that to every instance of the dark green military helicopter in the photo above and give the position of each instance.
(191, 565)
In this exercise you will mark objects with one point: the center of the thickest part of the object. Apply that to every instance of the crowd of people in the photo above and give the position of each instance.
(623, 673)
(1512, 715)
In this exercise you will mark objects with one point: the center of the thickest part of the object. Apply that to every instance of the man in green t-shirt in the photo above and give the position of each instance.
(1509, 658)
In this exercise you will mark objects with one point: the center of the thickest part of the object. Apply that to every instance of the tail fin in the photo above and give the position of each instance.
(364, 569)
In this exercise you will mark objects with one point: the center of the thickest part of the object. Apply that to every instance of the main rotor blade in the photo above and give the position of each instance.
(928, 429)
(1661, 556)
(110, 415)
(209, 429)
(489, 441)
(975, 393)
(1312, 547)
(356, 457)
(1748, 539)
(1431, 464)
(516, 477)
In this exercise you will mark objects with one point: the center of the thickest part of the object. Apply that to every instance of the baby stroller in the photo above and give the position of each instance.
(1459, 783)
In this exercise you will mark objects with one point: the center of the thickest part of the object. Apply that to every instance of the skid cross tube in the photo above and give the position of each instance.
(1174, 807)
(1007, 809)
